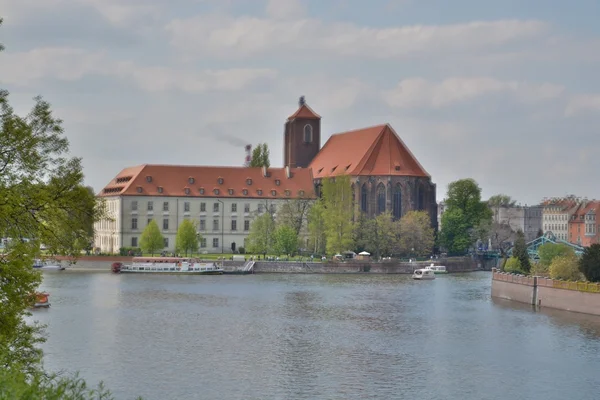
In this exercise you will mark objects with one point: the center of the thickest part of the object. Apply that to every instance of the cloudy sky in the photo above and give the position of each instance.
(506, 92)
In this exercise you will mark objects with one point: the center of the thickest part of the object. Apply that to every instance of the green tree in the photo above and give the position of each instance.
(549, 251)
(513, 266)
(501, 200)
(379, 235)
(416, 233)
(260, 156)
(187, 238)
(338, 212)
(454, 236)
(520, 251)
(152, 240)
(285, 240)
(260, 237)
(565, 268)
(316, 228)
(294, 213)
(589, 264)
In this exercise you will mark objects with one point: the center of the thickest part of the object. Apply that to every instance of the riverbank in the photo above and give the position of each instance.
(581, 297)
(453, 264)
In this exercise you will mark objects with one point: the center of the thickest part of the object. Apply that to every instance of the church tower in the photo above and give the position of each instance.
(302, 136)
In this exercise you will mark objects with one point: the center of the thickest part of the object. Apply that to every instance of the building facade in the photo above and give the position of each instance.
(527, 219)
(583, 229)
(556, 214)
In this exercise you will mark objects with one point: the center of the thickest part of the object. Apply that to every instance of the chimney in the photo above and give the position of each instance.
(288, 172)
(264, 171)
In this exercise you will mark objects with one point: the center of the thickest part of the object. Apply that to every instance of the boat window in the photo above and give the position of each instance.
(172, 269)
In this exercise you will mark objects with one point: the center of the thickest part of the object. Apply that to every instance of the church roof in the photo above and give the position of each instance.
(203, 181)
(304, 111)
(376, 150)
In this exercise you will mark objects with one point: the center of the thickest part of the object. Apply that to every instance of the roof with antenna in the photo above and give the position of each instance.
(304, 111)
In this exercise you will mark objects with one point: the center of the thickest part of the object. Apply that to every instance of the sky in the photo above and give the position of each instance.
(506, 93)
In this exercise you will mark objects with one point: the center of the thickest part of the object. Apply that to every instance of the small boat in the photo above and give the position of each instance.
(167, 265)
(423, 274)
(41, 300)
(47, 265)
(437, 269)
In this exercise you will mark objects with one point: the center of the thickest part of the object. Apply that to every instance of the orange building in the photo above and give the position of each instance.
(583, 230)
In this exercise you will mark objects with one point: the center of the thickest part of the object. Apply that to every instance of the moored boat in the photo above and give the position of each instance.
(437, 269)
(423, 274)
(47, 265)
(41, 300)
(167, 265)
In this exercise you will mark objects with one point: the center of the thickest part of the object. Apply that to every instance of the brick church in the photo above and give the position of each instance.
(385, 175)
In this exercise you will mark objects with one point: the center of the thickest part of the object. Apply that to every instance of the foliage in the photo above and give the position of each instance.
(539, 269)
(549, 251)
(260, 156)
(454, 236)
(379, 235)
(589, 264)
(338, 212)
(416, 234)
(565, 268)
(187, 238)
(501, 200)
(316, 228)
(464, 212)
(260, 237)
(152, 240)
(513, 266)
(294, 213)
(285, 240)
(539, 233)
(127, 251)
(520, 251)
(500, 234)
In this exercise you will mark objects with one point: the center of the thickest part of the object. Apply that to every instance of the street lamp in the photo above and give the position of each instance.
(222, 222)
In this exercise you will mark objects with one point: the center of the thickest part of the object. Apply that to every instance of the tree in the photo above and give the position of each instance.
(187, 237)
(589, 264)
(152, 240)
(416, 233)
(565, 268)
(260, 156)
(379, 235)
(501, 200)
(285, 240)
(520, 251)
(540, 233)
(513, 266)
(260, 237)
(454, 236)
(316, 228)
(338, 211)
(294, 213)
(549, 251)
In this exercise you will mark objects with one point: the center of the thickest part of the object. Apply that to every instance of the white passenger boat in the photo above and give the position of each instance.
(47, 265)
(437, 269)
(423, 274)
(167, 265)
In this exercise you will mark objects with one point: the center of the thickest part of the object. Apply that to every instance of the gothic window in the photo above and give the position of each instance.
(420, 196)
(380, 198)
(308, 134)
(363, 198)
(397, 202)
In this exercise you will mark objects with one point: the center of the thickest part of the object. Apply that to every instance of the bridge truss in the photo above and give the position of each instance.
(548, 237)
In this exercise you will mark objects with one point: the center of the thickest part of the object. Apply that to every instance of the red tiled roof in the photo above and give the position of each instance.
(370, 151)
(202, 181)
(304, 111)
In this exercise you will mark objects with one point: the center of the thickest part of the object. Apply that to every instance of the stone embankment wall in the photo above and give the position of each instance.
(582, 297)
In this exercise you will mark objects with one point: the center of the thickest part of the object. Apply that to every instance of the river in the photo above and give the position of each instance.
(314, 337)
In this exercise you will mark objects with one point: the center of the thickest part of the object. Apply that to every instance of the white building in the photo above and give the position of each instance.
(556, 215)
(527, 219)
(222, 201)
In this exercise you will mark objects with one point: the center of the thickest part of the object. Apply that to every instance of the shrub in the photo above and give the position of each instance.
(589, 264)
(241, 250)
(565, 268)
(539, 269)
(513, 266)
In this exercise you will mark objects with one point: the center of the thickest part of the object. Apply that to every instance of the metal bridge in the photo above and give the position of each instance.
(548, 237)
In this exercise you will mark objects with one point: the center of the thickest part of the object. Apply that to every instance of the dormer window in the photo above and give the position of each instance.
(273, 193)
(245, 192)
(287, 193)
(308, 133)
(148, 179)
(231, 192)
(301, 193)
(160, 189)
(216, 191)
(191, 180)
(201, 190)
(277, 182)
(259, 192)
(220, 180)
(248, 181)
(187, 190)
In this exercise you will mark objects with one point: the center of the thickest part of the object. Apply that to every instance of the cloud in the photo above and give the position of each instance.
(422, 93)
(285, 9)
(228, 36)
(582, 104)
(71, 64)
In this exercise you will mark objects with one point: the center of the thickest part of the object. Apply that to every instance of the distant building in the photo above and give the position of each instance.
(528, 219)
(583, 230)
(556, 213)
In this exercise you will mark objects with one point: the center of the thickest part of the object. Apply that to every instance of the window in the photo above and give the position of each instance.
(134, 242)
(248, 181)
(216, 243)
(216, 191)
(215, 224)
(191, 180)
(201, 190)
(397, 206)
(134, 205)
(216, 207)
(149, 220)
(133, 223)
(148, 179)
(203, 243)
(247, 225)
(273, 193)
(234, 225)
(245, 192)
(166, 206)
(165, 224)
(259, 192)
(187, 190)
(230, 191)
(260, 208)
(160, 189)
(150, 206)
(139, 189)
(301, 193)
(364, 198)
(234, 207)
(247, 207)
(380, 198)
(308, 134)
(166, 242)
(202, 207)
(186, 206)
(420, 197)
(277, 182)
(287, 193)
(202, 224)
(220, 180)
